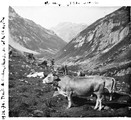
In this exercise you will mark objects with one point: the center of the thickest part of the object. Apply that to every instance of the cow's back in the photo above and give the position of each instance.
(82, 85)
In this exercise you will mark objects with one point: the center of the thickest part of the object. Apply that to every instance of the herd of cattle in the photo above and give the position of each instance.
(80, 85)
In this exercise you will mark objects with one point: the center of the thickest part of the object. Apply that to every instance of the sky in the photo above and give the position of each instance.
(51, 16)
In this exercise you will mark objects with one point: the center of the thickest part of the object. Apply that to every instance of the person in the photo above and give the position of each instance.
(66, 70)
(52, 64)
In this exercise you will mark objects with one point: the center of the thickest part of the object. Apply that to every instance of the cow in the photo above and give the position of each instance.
(110, 82)
(80, 86)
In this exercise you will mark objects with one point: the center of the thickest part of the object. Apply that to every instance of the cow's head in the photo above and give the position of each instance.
(60, 88)
(50, 78)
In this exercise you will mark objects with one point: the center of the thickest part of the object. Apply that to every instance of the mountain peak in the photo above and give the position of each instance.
(99, 43)
(12, 13)
(68, 30)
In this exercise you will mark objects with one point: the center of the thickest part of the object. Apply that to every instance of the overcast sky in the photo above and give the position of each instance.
(50, 16)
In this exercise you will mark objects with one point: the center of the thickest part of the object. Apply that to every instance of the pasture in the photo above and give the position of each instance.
(29, 97)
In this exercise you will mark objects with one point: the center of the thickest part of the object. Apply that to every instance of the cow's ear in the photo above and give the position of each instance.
(56, 93)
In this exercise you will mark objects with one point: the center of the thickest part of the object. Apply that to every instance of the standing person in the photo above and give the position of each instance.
(52, 64)
(66, 70)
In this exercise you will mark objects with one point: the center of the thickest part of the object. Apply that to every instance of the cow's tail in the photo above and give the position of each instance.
(113, 85)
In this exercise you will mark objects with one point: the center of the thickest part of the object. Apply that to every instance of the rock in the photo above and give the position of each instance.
(129, 108)
(38, 113)
(106, 108)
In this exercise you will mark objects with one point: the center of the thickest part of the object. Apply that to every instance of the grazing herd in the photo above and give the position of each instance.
(81, 85)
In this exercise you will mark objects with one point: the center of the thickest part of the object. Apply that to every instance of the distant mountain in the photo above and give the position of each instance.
(68, 30)
(104, 44)
(31, 36)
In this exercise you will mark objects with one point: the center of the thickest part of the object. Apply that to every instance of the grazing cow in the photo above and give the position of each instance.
(80, 86)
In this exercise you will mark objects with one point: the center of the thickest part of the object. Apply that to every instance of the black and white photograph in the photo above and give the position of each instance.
(69, 61)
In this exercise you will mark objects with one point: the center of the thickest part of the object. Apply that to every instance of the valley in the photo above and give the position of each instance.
(102, 48)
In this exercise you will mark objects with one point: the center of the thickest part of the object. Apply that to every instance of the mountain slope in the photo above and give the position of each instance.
(105, 42)
(19, 47)
(33, 36)
(68, 30)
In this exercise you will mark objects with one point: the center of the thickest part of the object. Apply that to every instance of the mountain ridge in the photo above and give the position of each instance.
(33, 36)
(102, 38)
(68, 30)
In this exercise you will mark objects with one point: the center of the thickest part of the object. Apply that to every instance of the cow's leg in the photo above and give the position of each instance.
(69, 100)
(110, 99)
(100, 104)
(99, 97)
(97, 103)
